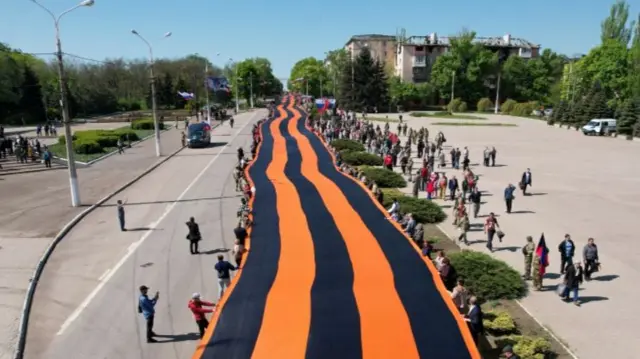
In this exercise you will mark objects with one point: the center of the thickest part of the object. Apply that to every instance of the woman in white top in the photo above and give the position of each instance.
(459, 296)
(439, 258)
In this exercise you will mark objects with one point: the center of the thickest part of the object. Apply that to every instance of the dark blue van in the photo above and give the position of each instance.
(198, 135)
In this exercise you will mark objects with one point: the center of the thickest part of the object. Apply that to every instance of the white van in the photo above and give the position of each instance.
(599, 125)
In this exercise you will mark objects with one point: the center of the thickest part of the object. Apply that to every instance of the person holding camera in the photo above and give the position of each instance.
(194, 236)
(146, 306)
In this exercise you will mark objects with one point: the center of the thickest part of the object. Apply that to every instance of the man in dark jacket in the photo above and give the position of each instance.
(572, 280)
(526, 181)
(453, 187)
(194, 235)
(508, 197)
(567, 249)
(475, 197)
(474, 319)
(590, 257)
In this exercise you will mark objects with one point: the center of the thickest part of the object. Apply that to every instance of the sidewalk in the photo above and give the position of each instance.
(565, 200)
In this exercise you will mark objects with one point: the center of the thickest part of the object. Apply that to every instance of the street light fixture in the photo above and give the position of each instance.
(66, 120)
(156, 126)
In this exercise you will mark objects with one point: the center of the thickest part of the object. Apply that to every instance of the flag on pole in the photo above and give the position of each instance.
(218, 84)
(186, 95)
(543, 253)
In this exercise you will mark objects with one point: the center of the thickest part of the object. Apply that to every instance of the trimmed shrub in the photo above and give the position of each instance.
(62, 139)
(104, 138)
(523, 109)
(457, 105)
(384, 178)
(488, 278)
(424, 211)
(86, 147)
(350, 145)
(146, 124)
(526, 347)
(485, 105)
(359, 158)
(420, 114)
(499, 323)
(507, 106)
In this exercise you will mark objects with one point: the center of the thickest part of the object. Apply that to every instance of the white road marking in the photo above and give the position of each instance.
(132, 248)
(104, 275)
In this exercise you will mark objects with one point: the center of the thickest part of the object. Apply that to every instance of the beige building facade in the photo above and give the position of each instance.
(412, 58)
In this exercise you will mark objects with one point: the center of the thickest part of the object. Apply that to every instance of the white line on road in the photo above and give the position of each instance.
(132, 248)
(104, 275)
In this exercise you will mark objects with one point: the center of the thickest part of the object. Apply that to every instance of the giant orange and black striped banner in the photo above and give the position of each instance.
(326, 274)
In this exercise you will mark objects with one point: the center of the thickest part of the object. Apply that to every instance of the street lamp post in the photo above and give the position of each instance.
(206, 89)
(66, 120)
(251, 88)
(154, 107)
(497, 104)
(236, 88)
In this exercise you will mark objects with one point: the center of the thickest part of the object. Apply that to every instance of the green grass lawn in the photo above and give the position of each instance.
(485, 124)
(59, 150)
(447, 115)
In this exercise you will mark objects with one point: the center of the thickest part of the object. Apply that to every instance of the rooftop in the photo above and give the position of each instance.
(369, 37)
(498, 41)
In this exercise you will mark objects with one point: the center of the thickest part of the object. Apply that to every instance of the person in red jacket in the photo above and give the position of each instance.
(388, 162)
(199, 313)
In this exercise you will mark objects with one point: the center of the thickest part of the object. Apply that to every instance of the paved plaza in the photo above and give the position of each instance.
(584, 186)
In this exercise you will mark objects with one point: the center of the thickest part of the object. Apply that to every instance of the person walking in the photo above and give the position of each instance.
(526, 181)
(224, 276)
(120, 208)
(476, 198)
(572, 280)
(146, 306)
(567, 250)
(464, 227)
(509, 197)
(590, 257)
(490, 227)
(194, 235)
(528, 251)
(196, 305)
(493, 154)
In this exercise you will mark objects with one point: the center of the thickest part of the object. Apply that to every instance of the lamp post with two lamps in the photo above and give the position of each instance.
(66, 120)
(156, 126)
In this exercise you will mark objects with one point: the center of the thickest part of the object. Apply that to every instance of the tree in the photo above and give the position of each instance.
(180, 86)
(31, 98)
(598, 105)
(608, 65)
(614, 27)
(467, 63)
(335, 61)
(410, 96)
(363, 84)
(255, 76)
(166, 93)
(308, 74)
(628, 117)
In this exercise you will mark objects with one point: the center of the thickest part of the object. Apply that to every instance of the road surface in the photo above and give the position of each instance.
(86, 303)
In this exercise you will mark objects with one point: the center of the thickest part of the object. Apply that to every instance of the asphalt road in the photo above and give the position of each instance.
(86, 303)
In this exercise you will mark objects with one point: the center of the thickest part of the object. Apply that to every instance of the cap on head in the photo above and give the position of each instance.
(195, 295)
(529, 239)
(507, 349)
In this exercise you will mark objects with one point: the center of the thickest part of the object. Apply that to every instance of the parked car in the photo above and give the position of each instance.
(600, 126)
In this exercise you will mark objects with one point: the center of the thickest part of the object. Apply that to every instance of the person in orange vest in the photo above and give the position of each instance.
(199, 313)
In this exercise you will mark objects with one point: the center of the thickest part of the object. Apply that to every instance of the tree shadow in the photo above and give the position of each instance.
(174, 338)
(606, 278)
(140, 229)
(523, 212)
(537, 194)
(216, 251)
(498, 165)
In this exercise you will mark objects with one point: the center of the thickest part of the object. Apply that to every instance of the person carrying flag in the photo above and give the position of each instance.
(540, 262)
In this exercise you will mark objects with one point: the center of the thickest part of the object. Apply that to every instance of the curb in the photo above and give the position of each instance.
(28, 301)
(33, 171)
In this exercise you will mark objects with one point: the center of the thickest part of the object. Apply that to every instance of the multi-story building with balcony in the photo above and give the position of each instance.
(383, 47)
(416, 55)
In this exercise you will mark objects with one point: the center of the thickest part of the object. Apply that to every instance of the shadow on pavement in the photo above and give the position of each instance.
(522, 212)
(606, 278)
(592, 298)
(216, 251)
(173, 338)
(510, 249)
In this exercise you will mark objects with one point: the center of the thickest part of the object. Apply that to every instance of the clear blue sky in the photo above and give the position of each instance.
(285, 31)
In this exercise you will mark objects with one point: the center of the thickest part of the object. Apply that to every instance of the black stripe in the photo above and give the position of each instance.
(434, 327)
(238, 327)
(335, 320)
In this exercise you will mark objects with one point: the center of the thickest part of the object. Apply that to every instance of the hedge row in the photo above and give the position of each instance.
(384, 178)
(424, 211)
(511, 107)
(95, 141)
(360, 158)
(350, 145)
(146, 124)
(501, 325)
(457, 105)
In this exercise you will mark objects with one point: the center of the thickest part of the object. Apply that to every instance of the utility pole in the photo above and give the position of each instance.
(237, 90)
(497, 104)
(206, 89)
(251, 88)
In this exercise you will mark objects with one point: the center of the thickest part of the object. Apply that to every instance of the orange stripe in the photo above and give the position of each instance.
(287, 316)
(462, 324)
(216, 315)
(378, 302)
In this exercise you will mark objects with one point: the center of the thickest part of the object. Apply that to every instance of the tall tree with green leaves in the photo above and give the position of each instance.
(31, 98)
(628, 117)
(369, 86)
(309, 74)
(615, 26)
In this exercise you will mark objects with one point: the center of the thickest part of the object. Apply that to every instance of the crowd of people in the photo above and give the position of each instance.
(25, 149)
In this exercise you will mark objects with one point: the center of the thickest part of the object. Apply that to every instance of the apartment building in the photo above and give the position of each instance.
(415, 55)
(382, 47)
